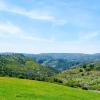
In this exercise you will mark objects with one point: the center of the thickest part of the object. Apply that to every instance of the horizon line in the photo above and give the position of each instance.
(49, 53)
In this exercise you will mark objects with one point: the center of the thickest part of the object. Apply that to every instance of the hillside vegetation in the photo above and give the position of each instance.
(18, 89)
(19, 66)
(86, 76)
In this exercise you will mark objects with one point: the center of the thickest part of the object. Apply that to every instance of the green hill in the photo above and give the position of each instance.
(18, 89)
(22, 67)
(86, 76)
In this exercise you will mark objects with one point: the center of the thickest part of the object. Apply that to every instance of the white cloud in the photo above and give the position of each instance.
(89, 35)
(33, 14)
(8, 29)
(31, 44)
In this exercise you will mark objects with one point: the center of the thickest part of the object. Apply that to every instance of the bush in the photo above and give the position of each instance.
(84, 88)
(57, 80)
(21, 76)
(84, 66)
(80, 70)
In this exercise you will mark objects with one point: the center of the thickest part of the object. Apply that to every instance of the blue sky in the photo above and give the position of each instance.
(42, 26)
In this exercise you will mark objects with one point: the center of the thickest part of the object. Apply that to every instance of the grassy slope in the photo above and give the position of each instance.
(17, 89)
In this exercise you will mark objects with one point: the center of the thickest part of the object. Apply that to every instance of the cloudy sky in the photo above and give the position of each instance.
(42, 26)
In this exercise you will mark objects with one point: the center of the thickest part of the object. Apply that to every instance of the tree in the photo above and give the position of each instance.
(91, 66)
(84, 66)
(80, 70)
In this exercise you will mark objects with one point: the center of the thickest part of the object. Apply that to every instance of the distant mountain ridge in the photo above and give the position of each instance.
(60, 61)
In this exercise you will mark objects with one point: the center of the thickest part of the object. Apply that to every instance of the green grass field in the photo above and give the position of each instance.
(18, 89)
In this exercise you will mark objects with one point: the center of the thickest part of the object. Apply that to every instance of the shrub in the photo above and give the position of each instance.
(80, 70)
(84, 88)
(84, 66)
(58, 80)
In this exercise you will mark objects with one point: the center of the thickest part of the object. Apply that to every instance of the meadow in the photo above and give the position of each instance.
(22, 89)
